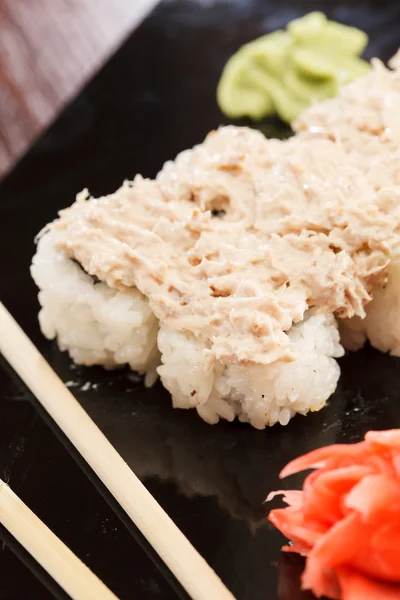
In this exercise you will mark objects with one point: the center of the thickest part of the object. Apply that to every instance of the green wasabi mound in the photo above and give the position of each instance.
(284, 72)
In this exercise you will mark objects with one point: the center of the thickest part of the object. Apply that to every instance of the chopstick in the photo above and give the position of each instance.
(104, 493)
(190, 569)
(49, 551)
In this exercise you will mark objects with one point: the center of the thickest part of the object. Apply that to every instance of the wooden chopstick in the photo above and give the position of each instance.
(191, 570)
(49, 551)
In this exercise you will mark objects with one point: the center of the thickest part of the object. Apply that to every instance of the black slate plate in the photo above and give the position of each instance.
(154, 98)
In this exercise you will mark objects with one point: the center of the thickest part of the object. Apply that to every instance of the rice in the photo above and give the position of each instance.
(381, 325)
(97, 325)
(257, 394)
(307, 222)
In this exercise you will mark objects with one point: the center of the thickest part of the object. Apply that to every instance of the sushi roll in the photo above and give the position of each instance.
(364, 120)
(243, 250)
(95, 324)
(257, 394)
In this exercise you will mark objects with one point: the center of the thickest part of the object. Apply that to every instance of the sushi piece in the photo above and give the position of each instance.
(257, 394)
(244, 249)
(346, 518)
(381, 325)
(96, 324)
(364, 120)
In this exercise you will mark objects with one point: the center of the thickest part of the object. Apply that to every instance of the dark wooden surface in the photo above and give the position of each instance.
(48, 50)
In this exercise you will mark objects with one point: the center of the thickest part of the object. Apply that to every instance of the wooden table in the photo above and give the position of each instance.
(48, 50)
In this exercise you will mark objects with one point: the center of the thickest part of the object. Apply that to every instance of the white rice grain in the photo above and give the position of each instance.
(97, 325)
(258, 394)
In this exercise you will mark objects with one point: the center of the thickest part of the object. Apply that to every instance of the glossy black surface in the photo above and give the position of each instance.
(154, 98)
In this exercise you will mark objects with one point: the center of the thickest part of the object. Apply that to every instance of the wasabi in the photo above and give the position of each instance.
(286, 71)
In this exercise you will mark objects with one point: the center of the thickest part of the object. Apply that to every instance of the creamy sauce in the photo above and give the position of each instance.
(301, 227)
(365, 121)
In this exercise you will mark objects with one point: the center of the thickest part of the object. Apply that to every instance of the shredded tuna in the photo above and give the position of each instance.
(301, 228)
(364, 120)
